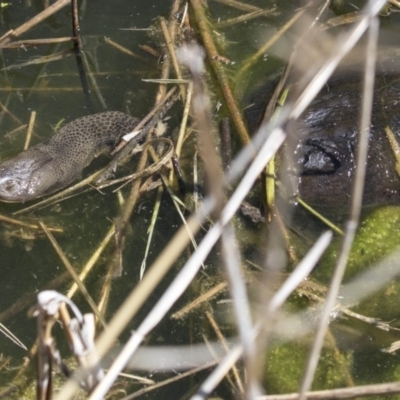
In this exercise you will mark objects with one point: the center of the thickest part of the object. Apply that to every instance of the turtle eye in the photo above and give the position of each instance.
(11, 185)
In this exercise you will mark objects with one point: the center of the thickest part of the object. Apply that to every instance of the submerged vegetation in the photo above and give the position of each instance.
(224, 248)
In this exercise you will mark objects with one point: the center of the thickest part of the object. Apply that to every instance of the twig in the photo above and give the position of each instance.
(170, 380)
(172, 54)
(318, 215)
(345, 393)
(26, 225)
(92, 79)
(93, 259)
(224, 343)
(150, 230)
(8, 112)
(243, 18)
(36, 42)
(155, 53)
(126, 215)
(73, 274)
(191, 57)
(212, 53)
(78, 54)
(241, 306)
(239, 5)
(221, 287)
(39, 60)
(10, 134)
(41, 89)
(249, 63)
(124, 50)
(226, 142)
(182, 129)
(300, 273)
(30, 130)
(371, 10)
(58, 5)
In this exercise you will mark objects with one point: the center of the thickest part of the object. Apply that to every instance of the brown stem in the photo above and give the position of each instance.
(78, 54)
(212, 53)
(58, 5)
(172, 54)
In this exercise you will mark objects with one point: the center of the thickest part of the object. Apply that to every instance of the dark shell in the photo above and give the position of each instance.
(328, 132)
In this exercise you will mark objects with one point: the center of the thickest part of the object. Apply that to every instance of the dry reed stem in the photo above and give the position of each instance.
(127, 213)
(5, 362)
(106, 290)
(277, 300)
(192, 58)
(371, 10)
(41, 89)
(150, 50)
(251, 61)
(58, 5)
(182, 129)
(170, 380)
(73, 273)
(135, 189)
(137, 297)
(316, 214)
(9, 335)
(92, 261)
(178, 203)
(36, 42)
(212, 54)
(186, 274)
(168, 256)
(30, 130)
(10, 134)
(124, 50)
(240, 5)
(40, 60)
(394, 145)
(346, 19)
(199, 301)
(242, 18)
(171, 50)
(165, 71)
(92, 79)
(150, 230)
(231, 260)
(170, 33)
(224, 343)
(13, 221)
(77, 46)
(8, 112)
(345, 393)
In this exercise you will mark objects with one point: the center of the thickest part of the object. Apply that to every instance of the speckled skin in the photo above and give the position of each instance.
(53, 164)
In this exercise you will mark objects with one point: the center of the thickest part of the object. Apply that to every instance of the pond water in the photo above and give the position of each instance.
(353, 353)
